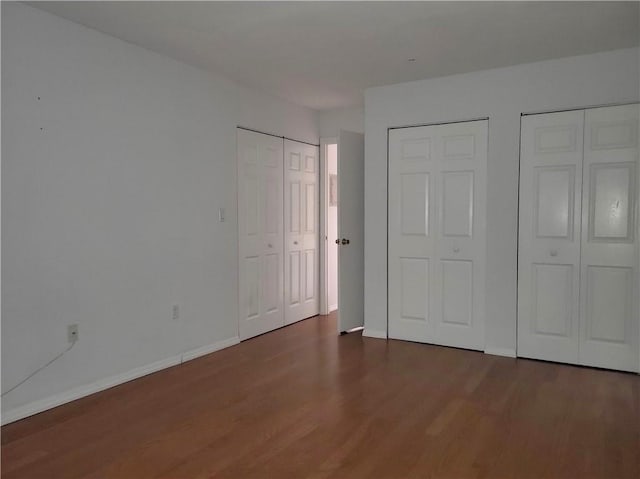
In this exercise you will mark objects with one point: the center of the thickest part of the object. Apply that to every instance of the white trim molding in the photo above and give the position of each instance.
(35, 407)
(209, 348)
(506, 352)
(79, 392)
(374, 333)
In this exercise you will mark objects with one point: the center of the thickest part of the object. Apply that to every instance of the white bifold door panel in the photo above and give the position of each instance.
(260, 231)
(549, 250)
(437, 236)
(609, 258)
(578, 253)
(301, 220)
(350, 230)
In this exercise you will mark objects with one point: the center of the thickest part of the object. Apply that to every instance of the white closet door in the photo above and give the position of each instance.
(609, 271)
(437, 237)
(260, 229)
(549, 249)
(301, 220)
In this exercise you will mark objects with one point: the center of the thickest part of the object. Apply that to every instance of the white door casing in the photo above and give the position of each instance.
(609, 259)
(260, 233)
(350, 228)
(549, 236)
(301, 220)
(437, 233)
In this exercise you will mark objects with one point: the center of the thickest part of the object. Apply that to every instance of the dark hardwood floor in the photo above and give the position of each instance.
(302, 402)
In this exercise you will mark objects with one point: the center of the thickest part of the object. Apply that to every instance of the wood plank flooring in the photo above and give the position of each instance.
(302, 402)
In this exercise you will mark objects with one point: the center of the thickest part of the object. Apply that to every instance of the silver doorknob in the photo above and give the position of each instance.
(345, 241)
(338, 241)
(553, 252)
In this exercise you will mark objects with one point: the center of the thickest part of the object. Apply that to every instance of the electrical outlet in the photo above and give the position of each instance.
(72, 333)
(176, 312)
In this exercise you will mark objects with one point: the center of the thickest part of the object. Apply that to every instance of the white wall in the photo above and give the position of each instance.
(500, 94)
(332, 121)
(115, 162)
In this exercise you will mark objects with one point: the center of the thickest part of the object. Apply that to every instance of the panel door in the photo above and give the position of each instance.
(351, 228)
(260, 232)
(301, 220)
(437, 237)
(549, 236)
(609, 269)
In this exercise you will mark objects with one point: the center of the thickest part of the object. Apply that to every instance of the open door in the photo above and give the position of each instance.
(350, 231)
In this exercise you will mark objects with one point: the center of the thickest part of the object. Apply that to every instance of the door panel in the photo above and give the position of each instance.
(294, 207)
(351, 226)
(554, 201)
(437, 221)
(414, 206)
(273, 207)
(293, 283)
(414, 281)
(608, 303)
(552, 299)
(549, 249)
(457, 292)
(457, 203)
(458, 146)
(301, 212)
(311, 206)
(251, 287)
(260, 233)
(310, 279)
(609, 270)
(270, 281)
(611, 194)
(250, 200)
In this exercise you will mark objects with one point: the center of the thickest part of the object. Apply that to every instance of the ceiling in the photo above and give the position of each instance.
(324, 54)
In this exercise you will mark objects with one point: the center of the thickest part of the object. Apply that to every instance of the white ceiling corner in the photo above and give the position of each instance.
(323, 55)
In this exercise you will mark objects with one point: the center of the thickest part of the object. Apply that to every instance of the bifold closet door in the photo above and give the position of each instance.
(260, 230)
(610, 261)
(549, 250)
(437, 233)
(301, 220)
(578, 253)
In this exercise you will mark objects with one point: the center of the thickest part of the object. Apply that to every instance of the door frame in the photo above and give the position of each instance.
(637, 199)
(324, 223)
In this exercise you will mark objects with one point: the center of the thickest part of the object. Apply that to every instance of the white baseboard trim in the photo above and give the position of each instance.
(209, 348)
(35, 407)
(506, 352)
(374, 333)
(79, 392)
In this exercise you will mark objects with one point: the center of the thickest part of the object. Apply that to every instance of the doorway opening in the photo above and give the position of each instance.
(332, 227)
(329, 198)
(342, 229)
